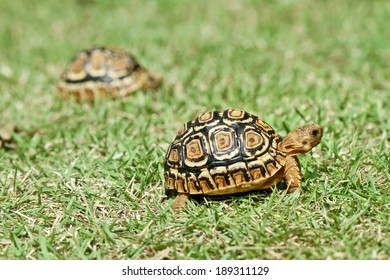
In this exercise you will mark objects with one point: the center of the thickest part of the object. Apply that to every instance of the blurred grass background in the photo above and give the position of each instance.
(85, 182)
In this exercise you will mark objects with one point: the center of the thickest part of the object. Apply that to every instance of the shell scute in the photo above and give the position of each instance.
(224, 142)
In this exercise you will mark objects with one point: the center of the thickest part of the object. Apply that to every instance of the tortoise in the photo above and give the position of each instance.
(233, 151)
(105, 71)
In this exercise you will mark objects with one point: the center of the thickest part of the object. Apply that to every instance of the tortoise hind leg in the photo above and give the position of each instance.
(292, 174)
(180, 201)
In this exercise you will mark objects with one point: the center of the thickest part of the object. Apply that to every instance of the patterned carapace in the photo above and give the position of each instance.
(222, 153)
(105, 71)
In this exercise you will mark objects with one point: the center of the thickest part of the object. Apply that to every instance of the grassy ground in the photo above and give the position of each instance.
(85, 182)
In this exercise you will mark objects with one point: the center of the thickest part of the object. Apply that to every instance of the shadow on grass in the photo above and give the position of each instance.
(256, 195)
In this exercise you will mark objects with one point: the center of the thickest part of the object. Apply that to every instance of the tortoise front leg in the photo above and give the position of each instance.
(180, 201)
(292, 174)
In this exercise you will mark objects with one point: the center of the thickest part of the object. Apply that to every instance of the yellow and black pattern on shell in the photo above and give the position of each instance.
(222, 153)
(101, 71)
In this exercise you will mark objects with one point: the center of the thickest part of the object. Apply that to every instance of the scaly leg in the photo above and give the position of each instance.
(180, 201)
(292, 174)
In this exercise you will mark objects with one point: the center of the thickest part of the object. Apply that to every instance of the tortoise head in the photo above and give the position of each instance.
(302, 139)
(153, 81)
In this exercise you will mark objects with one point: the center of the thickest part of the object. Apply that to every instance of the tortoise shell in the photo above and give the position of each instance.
(223, 153)
(104, 71)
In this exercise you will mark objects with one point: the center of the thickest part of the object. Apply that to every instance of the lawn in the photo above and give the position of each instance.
(82, 181)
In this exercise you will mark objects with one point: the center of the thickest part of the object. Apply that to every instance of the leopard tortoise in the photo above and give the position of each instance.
(105, 71)
(232, 152)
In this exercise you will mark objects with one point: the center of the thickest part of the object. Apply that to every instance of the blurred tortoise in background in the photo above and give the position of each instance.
(232, 152)
(105, 71)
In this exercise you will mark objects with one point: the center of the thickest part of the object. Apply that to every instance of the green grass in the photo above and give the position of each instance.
(86, 182)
